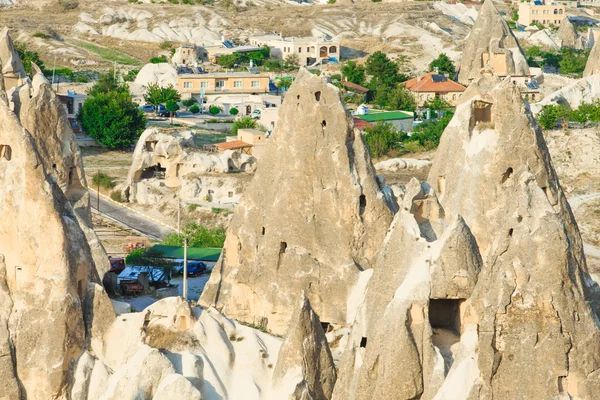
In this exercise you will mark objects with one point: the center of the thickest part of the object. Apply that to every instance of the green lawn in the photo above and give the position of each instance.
(107, 53)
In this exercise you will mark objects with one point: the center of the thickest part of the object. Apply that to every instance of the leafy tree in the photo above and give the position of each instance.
(28, 57)
(400, 98)
(428, 133)
(228, 60)
(106, 83)
(189, 102)
(274, 65)
(234, 111)
(195, 109)
(156, 95)
(443, 64)
(149, 258)
(438, 104)
(214, 110)
(284, 82)
(111, 117)
(198, 236)
(131, 75)
(383, 71)
(551, 114)
(292, 61)
(354, 73)
(573, 61)
(382, 138)
(243, 123)
(172, 107)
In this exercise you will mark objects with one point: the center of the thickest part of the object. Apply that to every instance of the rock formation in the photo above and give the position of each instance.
(304, 358)
(569, 36)
(460, 305)
(12, 68)
(592, 66)
(400, 164)
(311, 219)
(164, 162)
(491, 43)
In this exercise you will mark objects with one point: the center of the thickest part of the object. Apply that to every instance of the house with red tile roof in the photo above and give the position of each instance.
(432, 85)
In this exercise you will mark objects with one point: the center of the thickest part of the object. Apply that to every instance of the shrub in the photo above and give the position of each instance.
(195, 109)
(81, 78)
(189, 102)
(159, 59)
(243, 123)
(116, 196)
(234, 111)
(105, 181)
(166, 45)
(198, 236)
(551, 115)
(192, 207)
(40, 35)
(382, 138)
(214, 110)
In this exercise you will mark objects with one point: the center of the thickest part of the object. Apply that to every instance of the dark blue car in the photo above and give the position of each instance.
(194, 268)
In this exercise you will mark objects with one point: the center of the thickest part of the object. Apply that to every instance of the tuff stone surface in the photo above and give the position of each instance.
(311, 219)
(569, 36)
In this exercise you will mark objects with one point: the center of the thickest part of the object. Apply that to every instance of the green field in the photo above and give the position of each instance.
(106, 53)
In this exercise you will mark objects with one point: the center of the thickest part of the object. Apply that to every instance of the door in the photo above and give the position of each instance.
(220, 85)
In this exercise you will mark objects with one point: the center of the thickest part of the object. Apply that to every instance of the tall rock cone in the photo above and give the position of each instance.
(592, 65)
(311, 219)
(12, 68)
(304, 358)
(568, 35)
(534, 304)
(491, 43)
(482, 277)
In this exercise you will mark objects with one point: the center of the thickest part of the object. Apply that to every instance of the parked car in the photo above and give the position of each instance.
(255, 114)
(194, 268)
(117, 265)
(161, 109)
(167, 114)
(147, 108)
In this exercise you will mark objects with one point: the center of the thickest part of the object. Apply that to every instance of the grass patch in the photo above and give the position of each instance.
(116, 196)
(192, 207)
(106, 53)
(103, 180)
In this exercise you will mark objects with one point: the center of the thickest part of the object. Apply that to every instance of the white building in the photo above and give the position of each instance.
(310, 50)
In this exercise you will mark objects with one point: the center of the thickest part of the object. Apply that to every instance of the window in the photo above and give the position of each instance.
(187, 85)
(560, 11)
(333, 49)
(308, 49)
(428, 97)
(421, 97)
(555, 11)
(299, 49)
(454, 97)
(204, 84)
(237, 84)
(255, 84)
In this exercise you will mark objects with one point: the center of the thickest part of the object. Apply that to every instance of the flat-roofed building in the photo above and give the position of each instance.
(309, 50)
(222, 82)
(537, 12)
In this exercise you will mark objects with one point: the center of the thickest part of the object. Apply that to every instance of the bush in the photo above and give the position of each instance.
(158, 60)
(116, 196)
(198, 236)
(243, 123)
(382, 138)
(105, 181)
(195, 109)
(234, 111)
(81, 78)
(131, 75)
(40, 35)
(551, 115)
(428, 133)
(166, 45)
(189, 102)
(214, 110)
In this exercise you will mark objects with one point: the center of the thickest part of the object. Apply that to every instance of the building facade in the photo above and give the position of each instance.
(222, 82)
(310, 50)
(433, 85)
(540, 13)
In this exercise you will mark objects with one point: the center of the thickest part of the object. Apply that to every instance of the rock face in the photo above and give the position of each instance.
(569, 36)
(460, 304)
(491, 43)
(305, 357)
(592, 66)
(311, 219)
(162, 160)
(12, 68)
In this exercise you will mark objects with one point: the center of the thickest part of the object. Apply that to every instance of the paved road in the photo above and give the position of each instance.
(129, 218)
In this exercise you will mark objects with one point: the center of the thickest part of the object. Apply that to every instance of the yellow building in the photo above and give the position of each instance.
(222, 82)
(432, 85)
(247, 141)
(540, 13)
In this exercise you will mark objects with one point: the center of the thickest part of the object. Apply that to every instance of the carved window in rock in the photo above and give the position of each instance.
(482, 113)
(5, 152)
(445, 313)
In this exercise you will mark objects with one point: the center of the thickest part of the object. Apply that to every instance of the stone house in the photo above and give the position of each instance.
(310, 50)
(538, 12)
(434, 85)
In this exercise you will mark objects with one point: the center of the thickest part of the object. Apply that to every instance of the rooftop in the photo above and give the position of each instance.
(240, 74)
(306, 39)
(355, 87)
(433, 82)
(251, 131)
(233, 145)
(377, 115)
(193, 253)
(361, 125)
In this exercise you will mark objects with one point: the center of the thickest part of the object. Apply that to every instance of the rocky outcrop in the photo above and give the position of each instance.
(459, 304)
(491, 43)
(305, 358)
(569, 36)
(311, 219)
(400, 164)
(174, 159)
(12, 68)
(585, 90)
(592, 67)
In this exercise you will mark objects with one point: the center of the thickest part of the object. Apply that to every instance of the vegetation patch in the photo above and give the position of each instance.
(106, 53)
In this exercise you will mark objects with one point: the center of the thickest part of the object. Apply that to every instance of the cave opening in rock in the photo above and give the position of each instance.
(363, 342)
(445, 313)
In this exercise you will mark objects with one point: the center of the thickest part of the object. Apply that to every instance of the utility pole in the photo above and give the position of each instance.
(53, 72)
(185, 245)
(179, 216)
(98, 194)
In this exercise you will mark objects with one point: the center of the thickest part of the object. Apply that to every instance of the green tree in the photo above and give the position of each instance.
(382, 138)
(383, 71)
(195, 109)
(284, 83)
(106, 83)
(172, 107)
(198, 236)
(28, 57)
(148, 258)
(572, 62)
(400, 98)
(443, 64)
(156, 95)
(243, 123)
(214, 110)
(438, 104)
(354, 73)
(428, 133)
(551, 115)
(234, 111)
(189, 102)
(274, 65)
(228, 60)
(292, 62)
(111, 117)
